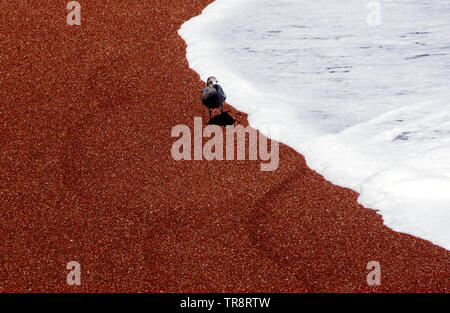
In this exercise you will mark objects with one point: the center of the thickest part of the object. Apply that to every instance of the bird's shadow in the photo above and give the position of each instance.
(223, 119)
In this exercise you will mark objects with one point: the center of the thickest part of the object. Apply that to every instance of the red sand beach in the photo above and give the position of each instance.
(86, 175)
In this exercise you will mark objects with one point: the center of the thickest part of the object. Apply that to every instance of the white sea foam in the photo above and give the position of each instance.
(368, 106)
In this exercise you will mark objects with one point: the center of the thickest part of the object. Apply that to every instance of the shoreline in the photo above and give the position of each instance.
(373, 152)
(89, 177)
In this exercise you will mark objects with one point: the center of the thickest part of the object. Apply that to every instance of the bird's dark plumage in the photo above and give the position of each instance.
(213, 95)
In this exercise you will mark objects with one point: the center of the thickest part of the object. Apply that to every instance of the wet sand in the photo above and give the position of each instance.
(87, 175)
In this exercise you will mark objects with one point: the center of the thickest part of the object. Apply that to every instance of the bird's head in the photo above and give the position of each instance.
(211, 82)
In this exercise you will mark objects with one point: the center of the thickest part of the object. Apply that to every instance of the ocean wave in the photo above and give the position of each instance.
(366, 105)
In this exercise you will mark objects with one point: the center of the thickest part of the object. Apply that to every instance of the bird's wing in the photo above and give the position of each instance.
(221, 92)
(204, 94)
